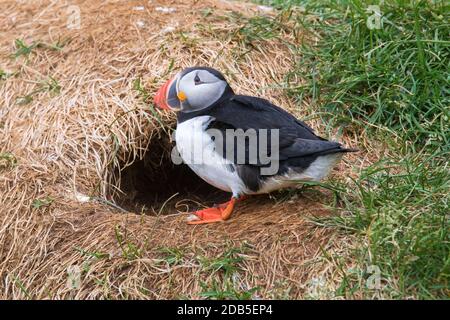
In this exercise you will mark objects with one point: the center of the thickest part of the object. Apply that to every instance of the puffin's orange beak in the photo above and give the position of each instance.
(161, 96)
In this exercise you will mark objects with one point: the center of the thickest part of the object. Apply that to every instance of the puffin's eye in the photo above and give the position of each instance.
(197, 80)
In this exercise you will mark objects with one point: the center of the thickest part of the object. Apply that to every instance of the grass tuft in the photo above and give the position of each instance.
(24, 49)
(5, 75)
(50, 85)
(171, 256)
(224, 280)
(225, 290)
(130, 250)
(7, 160)
(394, 77)
(42, 202)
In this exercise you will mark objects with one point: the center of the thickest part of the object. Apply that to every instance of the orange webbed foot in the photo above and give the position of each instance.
(210, 215)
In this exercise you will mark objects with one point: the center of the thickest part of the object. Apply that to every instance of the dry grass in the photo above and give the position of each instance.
(71, 137)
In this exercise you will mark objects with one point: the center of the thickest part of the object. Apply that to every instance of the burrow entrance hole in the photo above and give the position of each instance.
(155, 185)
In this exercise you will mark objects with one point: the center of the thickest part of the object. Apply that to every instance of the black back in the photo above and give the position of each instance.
(298, 145)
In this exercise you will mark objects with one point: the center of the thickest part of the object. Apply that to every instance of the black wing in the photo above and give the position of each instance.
(279, 117)
(296, 139)
(244, 112)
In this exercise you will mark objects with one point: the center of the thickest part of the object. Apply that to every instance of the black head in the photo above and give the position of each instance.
(192, 89)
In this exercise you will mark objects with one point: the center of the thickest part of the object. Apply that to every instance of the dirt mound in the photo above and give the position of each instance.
(79, 140)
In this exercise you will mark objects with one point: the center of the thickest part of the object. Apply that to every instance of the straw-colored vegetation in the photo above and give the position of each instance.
(76, 110)
(78, 130)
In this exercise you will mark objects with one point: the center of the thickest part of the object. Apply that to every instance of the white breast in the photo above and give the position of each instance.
(197, 150)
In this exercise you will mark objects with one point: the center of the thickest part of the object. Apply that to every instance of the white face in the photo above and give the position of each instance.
(200, 89)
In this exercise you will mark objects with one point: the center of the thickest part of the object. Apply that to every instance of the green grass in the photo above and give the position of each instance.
(225, 290)
(171, 256)
(50, 85)
(22, 288)
(223, 275)
(218, 276)
(146, 96)
(42, 202)
(130, 250)
(93, 254)
(400, 205)
(25, 99)
(5, 75)
(228, 262)
(24, 49)
(255, 29)
(389, 85)
(395, 77)
(7, 160)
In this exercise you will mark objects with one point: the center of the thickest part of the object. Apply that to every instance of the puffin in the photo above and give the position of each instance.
(241, 144)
